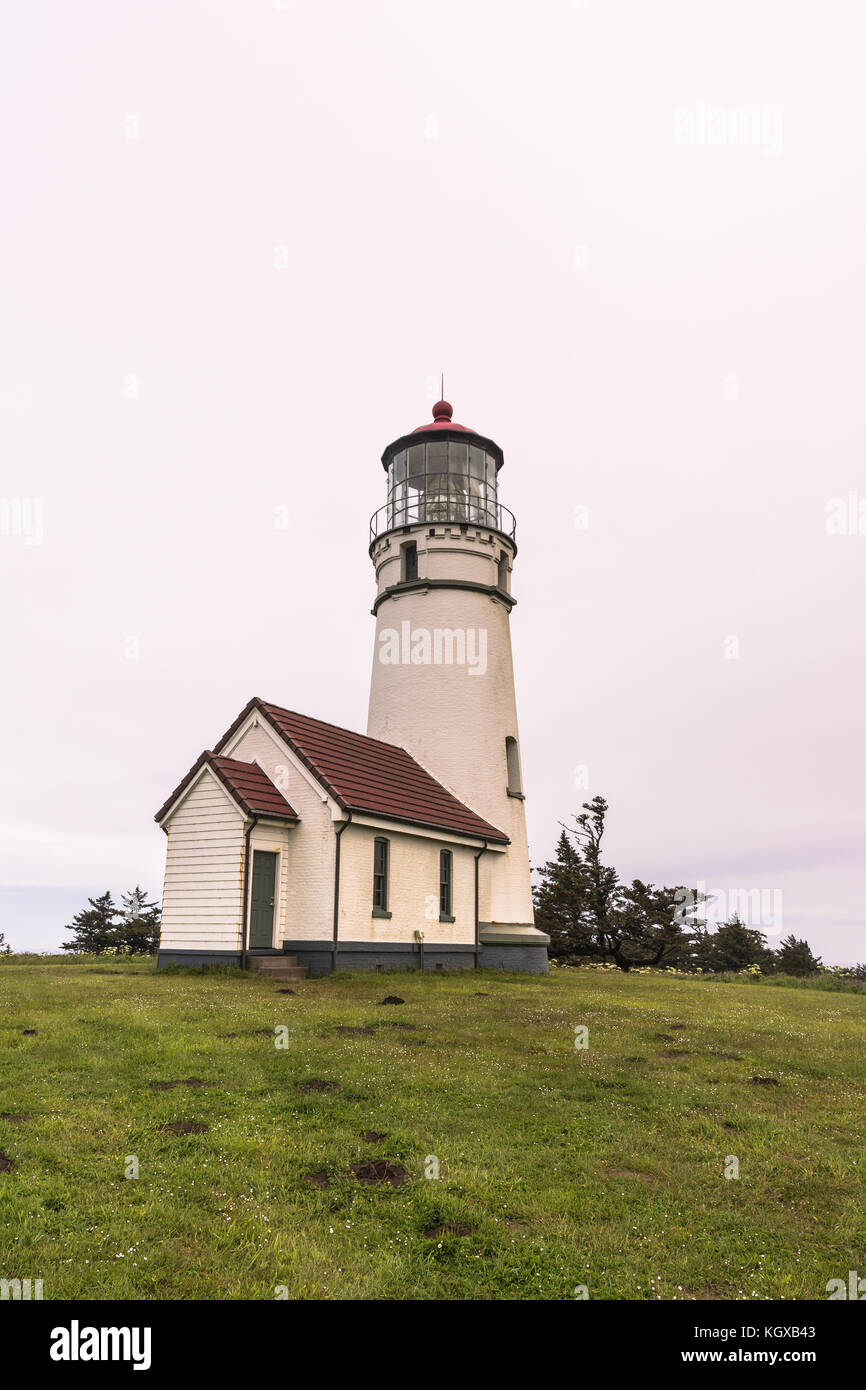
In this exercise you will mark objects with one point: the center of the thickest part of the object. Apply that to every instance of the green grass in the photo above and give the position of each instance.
(602, 1167)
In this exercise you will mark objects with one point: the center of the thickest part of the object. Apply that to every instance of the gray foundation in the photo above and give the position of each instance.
(379, 955)
(511, 953)
(195, 960)
(513, 946)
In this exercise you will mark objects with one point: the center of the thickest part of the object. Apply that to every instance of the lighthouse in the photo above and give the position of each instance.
(297, 846)
(443, 549)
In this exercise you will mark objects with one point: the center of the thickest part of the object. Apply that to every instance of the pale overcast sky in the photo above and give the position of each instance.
(239, 243)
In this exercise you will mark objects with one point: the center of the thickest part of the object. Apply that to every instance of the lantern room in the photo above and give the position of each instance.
(442, 471)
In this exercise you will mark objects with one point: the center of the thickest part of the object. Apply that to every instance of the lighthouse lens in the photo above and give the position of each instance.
(457, 457)
(442, 480)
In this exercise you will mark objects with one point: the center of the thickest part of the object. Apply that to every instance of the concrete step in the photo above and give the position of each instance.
(278, 968)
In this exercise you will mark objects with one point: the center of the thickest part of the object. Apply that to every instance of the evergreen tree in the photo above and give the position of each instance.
(795, 958)
(732, 946)
(659, 923)
(586, 910)
(95, 927)
(562, 903)
(138, 931)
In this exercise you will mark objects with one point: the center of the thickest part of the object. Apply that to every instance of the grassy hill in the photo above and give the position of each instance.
(602, 1167)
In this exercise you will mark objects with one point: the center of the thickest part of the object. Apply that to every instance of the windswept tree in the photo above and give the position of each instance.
(95, 928)
(131, 929)
(562, 902)
(138, 929)
(795, 958)
(732, 946)
(587, 911)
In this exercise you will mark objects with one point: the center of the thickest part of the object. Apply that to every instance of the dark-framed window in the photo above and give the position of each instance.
(381, 856)
(410, 561)
(502, 572)
(446, 879)
(512, 761)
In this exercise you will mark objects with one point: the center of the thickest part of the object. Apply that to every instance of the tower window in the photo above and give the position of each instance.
(502, 572)
(512, 760)
(380, 877)
(446, 875)
(410, 560)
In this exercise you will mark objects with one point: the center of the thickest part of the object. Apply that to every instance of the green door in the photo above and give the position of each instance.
(262, 898)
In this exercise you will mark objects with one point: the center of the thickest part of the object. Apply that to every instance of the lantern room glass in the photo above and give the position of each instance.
(442, 480)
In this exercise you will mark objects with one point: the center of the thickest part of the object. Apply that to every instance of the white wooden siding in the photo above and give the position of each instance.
(202, 900)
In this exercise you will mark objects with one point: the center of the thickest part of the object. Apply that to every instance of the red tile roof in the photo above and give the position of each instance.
(247, 783)
(364, 774)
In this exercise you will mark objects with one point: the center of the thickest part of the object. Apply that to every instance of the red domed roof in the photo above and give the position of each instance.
(442, 412)
(444, 427)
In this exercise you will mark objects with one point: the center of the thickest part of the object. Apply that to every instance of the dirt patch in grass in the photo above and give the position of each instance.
(316, 1084)
(194, 1082)
(372, 1136)
(15, 1119)
(678, 1025)
(449, 1228)
(664, 1037)
(377, 1172)
(263, 1032)
(318, 1179)
(480, 994)
(228, 1035)
(513, 1223)
(285, 991)
(183, 1127)
(392, 999)
(6, 1163)
(413, 1026)
(347, 1028)
(629, 1173)
(763, 1081)
(727, 1056)
(29, 1032)
(676, 1052)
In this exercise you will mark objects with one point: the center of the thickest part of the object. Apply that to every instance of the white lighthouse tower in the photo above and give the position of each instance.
(443, 548)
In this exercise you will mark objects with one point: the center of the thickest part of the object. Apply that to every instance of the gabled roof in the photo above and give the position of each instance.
(246, 783)
(364, 774)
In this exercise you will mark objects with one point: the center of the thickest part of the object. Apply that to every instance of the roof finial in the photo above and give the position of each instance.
(442, 410)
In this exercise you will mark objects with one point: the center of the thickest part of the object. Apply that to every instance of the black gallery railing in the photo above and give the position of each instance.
(433, 512)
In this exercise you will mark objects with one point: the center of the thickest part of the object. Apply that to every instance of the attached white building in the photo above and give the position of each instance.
(295, 838)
